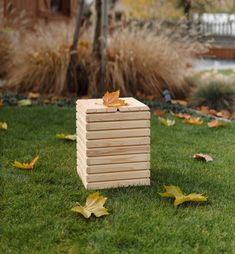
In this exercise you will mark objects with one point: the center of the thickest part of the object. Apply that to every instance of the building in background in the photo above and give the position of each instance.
(43, 10)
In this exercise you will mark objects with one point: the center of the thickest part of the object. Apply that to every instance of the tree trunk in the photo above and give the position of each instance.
(104, 32)
(72, 78)
(99, 44)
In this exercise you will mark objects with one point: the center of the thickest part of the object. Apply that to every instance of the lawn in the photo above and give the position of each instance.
(35, 205)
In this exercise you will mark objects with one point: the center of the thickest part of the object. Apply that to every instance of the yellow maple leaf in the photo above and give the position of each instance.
(167, 122)
(94, 204)
(194, 121)
(30, 165)
(215, 124)
(201, 156)
(112, 99)
(3, 125)
(181, 115)
(175, 192)
(70, 137)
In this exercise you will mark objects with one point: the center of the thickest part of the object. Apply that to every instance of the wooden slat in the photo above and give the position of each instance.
(118, 133)
(117, 176)
(133, 105)
(122, 167)
(108, 151)
(113, 125)
(117, 142)
(91, 106)
(117, 150)
(81, 170)
(108, 168)
(113, 159)
(118, 159)
(118, 116)
(116, 184)
(118, 125)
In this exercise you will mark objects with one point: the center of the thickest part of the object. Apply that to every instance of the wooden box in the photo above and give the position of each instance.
(113, 145)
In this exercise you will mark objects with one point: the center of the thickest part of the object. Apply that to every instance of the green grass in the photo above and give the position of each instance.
(35, 206)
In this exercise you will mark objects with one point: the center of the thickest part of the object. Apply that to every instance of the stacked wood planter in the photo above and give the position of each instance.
(113, 145)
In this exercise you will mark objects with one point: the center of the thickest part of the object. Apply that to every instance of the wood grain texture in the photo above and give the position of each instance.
(118, 116)
(118, 125)
(122, 167)
(130, 158)
(117, 150)
(114, 142)
(117, 176)
(90, 106)
(108, 134)
(116, 184)
(108, 168)
(113, 125)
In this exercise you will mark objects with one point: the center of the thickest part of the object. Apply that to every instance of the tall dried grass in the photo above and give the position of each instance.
(11, 29)
(42, 58)
(139, 60)
(149, 63)
(5, 53)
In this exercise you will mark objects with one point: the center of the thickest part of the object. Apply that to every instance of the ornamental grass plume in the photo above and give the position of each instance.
(5, 52)
(41, 61)
(141, 60)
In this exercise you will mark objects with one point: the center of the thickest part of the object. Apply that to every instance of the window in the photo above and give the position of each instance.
(60, 7)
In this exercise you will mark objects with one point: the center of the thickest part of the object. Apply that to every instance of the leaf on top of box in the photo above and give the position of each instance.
(94, 204)
(112, 99)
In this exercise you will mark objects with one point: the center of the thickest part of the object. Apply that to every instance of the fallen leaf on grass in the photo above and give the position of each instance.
(30, 165)
(32, 95)
(215, 124)
(204, 109)
(224, 113)
(3, 125)
(194, 121)
(94, 204)
(181, 115)
(180, 102)
(46, 101)
(25, 102)
(112, 99)
(167, 122)
(66, 137)
(201, 156)
(159, 112)
(213, 112)
(175, 192)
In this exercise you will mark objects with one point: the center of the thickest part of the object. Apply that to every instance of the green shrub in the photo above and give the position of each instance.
(216, 94)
